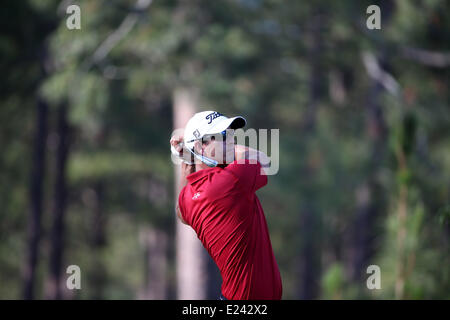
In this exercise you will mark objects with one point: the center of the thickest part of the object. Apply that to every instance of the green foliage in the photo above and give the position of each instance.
(333, 282)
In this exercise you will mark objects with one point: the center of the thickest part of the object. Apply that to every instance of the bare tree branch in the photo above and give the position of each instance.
(375, 71)
(426, 57)
(118, 34)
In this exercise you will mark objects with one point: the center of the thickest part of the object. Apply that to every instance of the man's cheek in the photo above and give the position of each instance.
(229, 153)
(211, 150)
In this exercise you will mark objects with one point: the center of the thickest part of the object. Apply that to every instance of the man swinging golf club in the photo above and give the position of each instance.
(218, 201)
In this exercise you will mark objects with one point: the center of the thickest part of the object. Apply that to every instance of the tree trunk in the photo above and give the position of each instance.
(99, 278)
(36, 197)
(369, 196)
(368, 205)
(310, 224)
(190, 259)
(155, 246)
(309, 255)
(59, 207)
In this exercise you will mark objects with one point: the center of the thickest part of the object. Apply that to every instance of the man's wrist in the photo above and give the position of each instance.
(187, 169)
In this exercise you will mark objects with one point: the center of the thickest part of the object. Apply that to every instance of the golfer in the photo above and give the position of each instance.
(218, 201)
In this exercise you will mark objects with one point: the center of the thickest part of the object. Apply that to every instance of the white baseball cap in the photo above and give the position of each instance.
(209, 122)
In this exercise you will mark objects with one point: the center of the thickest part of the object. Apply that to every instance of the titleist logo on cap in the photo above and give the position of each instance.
(212, 116)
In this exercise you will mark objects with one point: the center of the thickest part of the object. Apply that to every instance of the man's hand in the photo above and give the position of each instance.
(176, 147)
(176, 142)
(243, 152)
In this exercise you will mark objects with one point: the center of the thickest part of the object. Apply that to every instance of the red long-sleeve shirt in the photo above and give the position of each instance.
(220, 204)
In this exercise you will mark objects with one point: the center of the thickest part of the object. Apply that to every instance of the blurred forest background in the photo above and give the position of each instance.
(86, 117)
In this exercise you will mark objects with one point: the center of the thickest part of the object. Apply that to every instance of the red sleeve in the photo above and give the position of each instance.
(248, 174)
(181, 204)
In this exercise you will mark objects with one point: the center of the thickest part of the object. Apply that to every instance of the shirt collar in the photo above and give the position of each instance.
(195, 176)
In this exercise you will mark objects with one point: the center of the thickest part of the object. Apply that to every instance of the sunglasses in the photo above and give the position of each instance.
(223, 134)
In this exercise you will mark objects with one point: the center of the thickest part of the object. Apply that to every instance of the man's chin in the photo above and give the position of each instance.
(229, 159)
